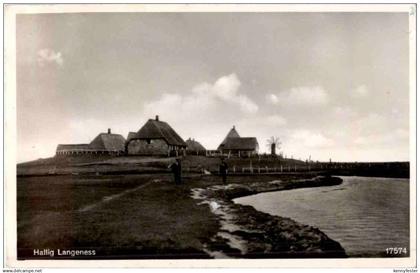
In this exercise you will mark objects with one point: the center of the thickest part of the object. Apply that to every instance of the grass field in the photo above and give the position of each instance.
(157, 219)
(197, 164)
(138, 213)
(121, 216)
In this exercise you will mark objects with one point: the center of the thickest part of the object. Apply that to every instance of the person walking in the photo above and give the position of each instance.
(223, 170)
(176, 170)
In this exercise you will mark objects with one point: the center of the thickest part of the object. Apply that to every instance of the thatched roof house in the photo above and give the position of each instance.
(104, 143)
(194, 146)
(131, 135)
(241, 144)
(72, 148)
(232, 133)
(108, 142)
(155, 138)
(156, 129)
(233, 144)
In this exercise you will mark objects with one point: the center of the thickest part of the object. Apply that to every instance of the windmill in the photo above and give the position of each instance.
(274, 144)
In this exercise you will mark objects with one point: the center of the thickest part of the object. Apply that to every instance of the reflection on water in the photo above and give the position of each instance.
(366, 215)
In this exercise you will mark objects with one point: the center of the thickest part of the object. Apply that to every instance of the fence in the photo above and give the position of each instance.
(391, 168)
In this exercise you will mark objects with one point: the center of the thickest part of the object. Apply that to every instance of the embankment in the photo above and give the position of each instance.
(248, 233)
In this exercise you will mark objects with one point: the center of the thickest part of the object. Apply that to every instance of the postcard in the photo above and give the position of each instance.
(210, 135)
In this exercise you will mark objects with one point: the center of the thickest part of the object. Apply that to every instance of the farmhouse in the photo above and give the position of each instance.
(108, 143)
(241, 146)
(233, 144)
(104, 143)
(194, 147)
(70, 149)
(232, 134)
(156, 138)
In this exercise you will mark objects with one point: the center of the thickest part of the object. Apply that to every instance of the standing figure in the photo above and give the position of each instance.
(223, 169)
(176, 170)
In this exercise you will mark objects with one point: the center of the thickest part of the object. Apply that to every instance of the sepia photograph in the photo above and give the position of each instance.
(211, 133)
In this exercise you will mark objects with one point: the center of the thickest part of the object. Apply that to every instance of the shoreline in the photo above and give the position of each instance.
(248, 233)
(196, 219)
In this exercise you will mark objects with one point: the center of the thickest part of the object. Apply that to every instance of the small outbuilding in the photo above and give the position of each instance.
(194, 147)
(156, 138)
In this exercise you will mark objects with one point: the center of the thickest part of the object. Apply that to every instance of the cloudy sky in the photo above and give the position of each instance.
(329, 85)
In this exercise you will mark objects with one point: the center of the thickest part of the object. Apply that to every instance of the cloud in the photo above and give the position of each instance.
(300, 96)
(390, 138)
(49, 56)
(205, 99)
(262, 123)
(207, 111)
(272, 99)
(360, 92)
(247, 105)
(226, 87)
(311, 139)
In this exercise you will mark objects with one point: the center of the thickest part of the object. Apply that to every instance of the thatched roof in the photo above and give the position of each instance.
(194, 145)
(155, 129)
(108, 142)
(131, 135)
(72, 147)
(241, 143)
(232, 134)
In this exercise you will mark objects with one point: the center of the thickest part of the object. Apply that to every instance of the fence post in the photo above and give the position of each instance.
(234, 168)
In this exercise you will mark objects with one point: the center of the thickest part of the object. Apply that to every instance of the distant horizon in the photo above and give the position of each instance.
(328, 85)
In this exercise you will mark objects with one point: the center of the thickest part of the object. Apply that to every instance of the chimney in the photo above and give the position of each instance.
(157, 117)
(109, 130)
(233, 126)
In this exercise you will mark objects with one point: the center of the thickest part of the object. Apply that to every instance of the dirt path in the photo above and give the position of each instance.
(109, 198)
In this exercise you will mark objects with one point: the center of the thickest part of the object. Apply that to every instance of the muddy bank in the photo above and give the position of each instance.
(248, 233)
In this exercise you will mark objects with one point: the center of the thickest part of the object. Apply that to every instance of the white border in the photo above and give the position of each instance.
(10, 134)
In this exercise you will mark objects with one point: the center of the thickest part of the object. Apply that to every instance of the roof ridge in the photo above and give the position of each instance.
(160, 131)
